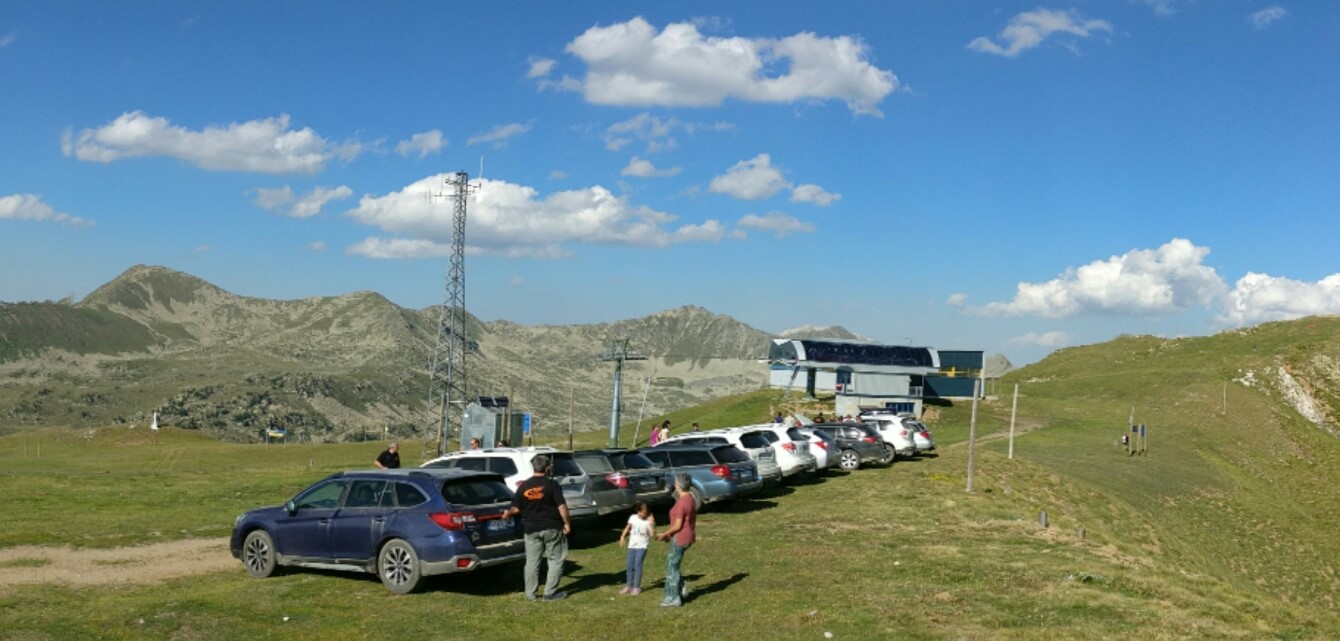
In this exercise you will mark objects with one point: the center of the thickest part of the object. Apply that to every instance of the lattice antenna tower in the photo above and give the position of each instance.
(618, 352)
(447, 374)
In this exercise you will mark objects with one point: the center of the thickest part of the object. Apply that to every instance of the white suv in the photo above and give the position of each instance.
(511, 462)
(753, 442)
(896, 430)
(791, 446)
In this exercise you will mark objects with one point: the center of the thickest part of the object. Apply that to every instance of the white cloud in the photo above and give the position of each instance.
(265, 146)
(1143, 281)
(1028, 29)
(957, 300)
(750, 179)
(558, 174)
(631, 64)
(203, 249)
(284, 201)
(815, 194)
(1162, 7)
(644, 169)
(499, 135)
(31, 207)
(539, 67)
(1048, 339)
(781, 225)
(317, 246)
(512, 220)
(1260, 297)
(516, 281)
(658, 134)
(428, 142)
(8, 39)
(1268, 16)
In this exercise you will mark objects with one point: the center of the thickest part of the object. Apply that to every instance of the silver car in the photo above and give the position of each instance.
(756, 445)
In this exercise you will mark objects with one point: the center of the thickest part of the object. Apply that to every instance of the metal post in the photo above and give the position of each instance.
(972, 431)
(1014, 408)
(572, 398)
(614, 406)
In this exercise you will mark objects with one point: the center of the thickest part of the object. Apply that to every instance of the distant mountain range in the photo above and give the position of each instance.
(332, 368)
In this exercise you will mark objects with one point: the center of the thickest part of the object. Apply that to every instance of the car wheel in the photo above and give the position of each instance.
(850, 460)
(888, 455)
(398, 567)
(697, 499)
(258, 554)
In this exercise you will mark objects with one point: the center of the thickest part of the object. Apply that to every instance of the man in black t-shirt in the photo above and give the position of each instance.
(544, 518)
(390, 459)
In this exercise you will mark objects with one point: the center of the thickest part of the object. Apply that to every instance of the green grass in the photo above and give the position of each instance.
(1224, 531)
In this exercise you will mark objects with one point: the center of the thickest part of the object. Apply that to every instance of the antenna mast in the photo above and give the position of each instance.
(446, 377)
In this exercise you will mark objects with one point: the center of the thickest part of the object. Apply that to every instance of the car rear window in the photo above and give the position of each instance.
(475, 492)
(796, 435)
(771, 436)
(754, 440)
(503, 466)
(635, 461)
(565, 466)
(692, 457)
(594, 463)
(730, 454)
(661, 458)
(476, 463)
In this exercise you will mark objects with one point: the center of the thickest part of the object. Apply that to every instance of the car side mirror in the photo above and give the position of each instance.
(291, 507)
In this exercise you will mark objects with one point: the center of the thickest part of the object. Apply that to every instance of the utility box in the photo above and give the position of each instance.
(491, 420)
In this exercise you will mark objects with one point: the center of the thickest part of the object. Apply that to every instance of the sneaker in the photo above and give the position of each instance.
(555, 596)
(671, 604)
(635, 592)
(625, 590)
(531, 597)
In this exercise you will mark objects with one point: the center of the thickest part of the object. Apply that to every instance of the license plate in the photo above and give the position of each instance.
(572, 489)
(499, 524)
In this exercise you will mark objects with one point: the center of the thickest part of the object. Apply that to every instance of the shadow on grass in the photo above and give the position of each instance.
(697, 591)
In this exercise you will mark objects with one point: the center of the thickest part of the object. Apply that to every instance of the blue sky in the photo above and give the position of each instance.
(1012, 177)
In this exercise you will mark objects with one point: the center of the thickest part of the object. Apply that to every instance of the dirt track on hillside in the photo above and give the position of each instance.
(138, 565)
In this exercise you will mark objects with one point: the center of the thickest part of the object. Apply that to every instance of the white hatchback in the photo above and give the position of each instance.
(898, 434)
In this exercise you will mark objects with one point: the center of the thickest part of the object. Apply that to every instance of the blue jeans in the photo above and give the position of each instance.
(552, 546)
(673, 580)
(635, 558)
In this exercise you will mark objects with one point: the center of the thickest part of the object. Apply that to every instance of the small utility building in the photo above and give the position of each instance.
(864, 375)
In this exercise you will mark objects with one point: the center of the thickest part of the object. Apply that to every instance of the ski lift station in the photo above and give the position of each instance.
(863, 375)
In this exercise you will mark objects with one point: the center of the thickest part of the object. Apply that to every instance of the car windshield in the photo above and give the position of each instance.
(475, 492)
(730, 454)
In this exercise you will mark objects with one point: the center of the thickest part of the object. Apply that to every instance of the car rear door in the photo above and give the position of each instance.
(609, 487)
(481, 502)
(356, 526)
(644, 478)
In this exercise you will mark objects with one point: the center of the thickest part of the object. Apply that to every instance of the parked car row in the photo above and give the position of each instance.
(406, 524)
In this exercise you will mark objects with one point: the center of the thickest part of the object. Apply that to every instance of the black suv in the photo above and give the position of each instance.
(857, 443)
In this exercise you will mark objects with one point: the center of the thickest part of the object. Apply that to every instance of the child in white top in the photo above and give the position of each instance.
(641, 524)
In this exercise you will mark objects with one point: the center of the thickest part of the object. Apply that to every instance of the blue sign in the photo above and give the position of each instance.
(1142, 430)
(525, 423)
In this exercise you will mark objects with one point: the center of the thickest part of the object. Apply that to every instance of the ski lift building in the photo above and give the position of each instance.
(861, 375)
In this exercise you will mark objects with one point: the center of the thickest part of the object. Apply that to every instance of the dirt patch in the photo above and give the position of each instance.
(29, 564)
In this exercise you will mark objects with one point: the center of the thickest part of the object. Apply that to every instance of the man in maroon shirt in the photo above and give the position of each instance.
(683, 523)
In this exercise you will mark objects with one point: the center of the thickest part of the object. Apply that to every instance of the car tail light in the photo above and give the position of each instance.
(464, 563)
(902, 433)
(822, 445)
(721, 471)
(790, 447)
(926, 435)
(618, 479)
(452, 520)
(869, 439)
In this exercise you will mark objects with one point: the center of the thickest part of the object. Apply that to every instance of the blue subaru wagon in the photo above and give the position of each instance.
(402, 525)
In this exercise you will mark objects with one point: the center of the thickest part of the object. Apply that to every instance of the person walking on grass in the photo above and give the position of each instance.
(681, 534)
(641, 525)
(544, 519)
